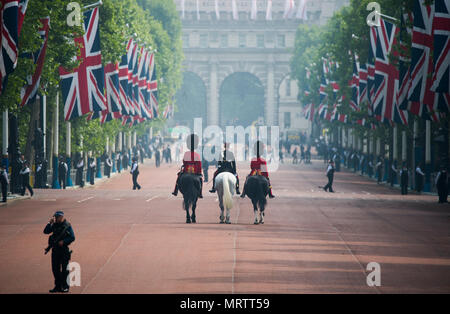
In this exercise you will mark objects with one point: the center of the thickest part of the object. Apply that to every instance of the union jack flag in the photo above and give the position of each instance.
(354, 83)
(424, 102)
(323, 111)
(168, 112)
(323, 86)
(23, 4)
(386, 76)
(441, 54)
(112, 88)
(29, 91)
(143, 77)
(9, 39)
(153, 88)
(83, 89)
(371, 69)
(404, 68)
(308, 112)
(362, 82)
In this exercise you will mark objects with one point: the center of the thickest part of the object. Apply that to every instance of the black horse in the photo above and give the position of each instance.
(257, 189)
(190, 188)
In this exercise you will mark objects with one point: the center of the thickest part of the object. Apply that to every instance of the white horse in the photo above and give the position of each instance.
(226, 187)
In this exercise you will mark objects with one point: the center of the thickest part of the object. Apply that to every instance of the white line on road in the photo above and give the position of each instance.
(86, 199)
(152, 198)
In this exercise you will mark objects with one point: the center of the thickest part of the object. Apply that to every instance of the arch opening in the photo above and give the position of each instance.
(191, 100)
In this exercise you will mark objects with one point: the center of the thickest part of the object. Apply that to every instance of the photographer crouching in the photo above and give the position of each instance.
(62, 236)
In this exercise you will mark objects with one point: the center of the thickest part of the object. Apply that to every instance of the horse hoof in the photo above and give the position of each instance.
(228, 222)
(222, 222)
(256, 223)
(194, 220)
(188, 221)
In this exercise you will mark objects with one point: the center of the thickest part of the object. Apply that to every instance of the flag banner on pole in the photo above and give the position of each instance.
(404, 68)
(354, 84)
(123, 86)
(323, 85)
(23, 5)
(424, 102)
(362, 81)
(371, 68)
(254, 11)
(9, 39)
(153, 87)
(83, 89)
(301, 12)
(112, 88)
(289, 9)
(235, 10)
(441, 54)
(269, 10)
(216, 7)
(30, 91)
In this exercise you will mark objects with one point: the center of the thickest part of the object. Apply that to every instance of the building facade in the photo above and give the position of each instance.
(219, 42)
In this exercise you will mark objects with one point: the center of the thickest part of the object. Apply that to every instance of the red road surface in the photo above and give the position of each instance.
(312, 242)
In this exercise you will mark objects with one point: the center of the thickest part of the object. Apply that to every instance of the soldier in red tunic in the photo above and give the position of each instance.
(258, 166)
(192, 163)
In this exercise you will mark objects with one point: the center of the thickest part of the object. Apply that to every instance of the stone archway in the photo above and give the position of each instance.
(241, 99)
(191, 99)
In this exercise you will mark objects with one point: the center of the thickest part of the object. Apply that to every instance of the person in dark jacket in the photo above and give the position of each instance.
(441, 182)
(25, 177)
(330, 175)
(80, 168)
(62, 236)
(419, 178)
(135, 173)
(108, 166)
(92, 167)
(404, 178)
(62, 173)
(4, 182)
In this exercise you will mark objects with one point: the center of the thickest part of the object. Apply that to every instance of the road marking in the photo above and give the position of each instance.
(50, 200)
(152, 198)
(86, 199)
(366, 192)
(117, 199)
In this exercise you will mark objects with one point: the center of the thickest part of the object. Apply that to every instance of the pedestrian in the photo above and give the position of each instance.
(157, 157)
(119, 162)
(62, 173)
(79, 176)
(419, 178)
(330, 175)
(135, 173)
(4, 182)
(404, 177)
(393, 173)
(25, 177)
(379, 169)
(92, 171)
(295, 157)
(125, 160)
(108, 166)
(441, 182)
(61, 237)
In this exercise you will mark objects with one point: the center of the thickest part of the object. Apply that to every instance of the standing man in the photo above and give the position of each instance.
(125, 160)
(157, 157)
(441, 182)
(393, 173)
(379, 167)
(135, 173)
(92, 171)
(119, 162)
(108, 166)
(62, 236)
(62, 173)
(419, 178)
(330, 175)
(404, 177)
(4, 182)
(25, 176)
(80, 168)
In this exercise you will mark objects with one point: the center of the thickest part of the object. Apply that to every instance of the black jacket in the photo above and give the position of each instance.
(56, 230)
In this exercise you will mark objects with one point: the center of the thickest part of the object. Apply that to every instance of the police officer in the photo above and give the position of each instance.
(80, 168)
(404, 177)
(119, 162)
(135, 173)
(25, 176)
(62, 173)
(227, 164)
(4, 182)
(62, 236)
(92, 171)
(441, 182)
(379, 169)
(419, 178)
(330, 175)
(108, 166)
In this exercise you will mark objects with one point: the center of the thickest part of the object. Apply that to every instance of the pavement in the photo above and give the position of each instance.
(312, 241)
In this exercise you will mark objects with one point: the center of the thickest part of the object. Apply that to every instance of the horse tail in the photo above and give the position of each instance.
(227, 198)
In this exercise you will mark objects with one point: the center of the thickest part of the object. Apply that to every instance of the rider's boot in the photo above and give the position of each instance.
(175, 192)
(200, 194)
(270, 192)
(237, 186)
(213, 190)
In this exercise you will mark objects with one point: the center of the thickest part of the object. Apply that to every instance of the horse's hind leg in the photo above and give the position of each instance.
(188, 217)
(255, 210)
(261, 221)
(222, 217)
(193, 217)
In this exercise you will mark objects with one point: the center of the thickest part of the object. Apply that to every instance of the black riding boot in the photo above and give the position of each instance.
(201, 189)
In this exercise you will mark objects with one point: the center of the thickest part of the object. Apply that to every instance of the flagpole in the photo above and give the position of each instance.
(92, 6)
(69, 152)
(56, 143)
(5, 160)
(427, 186)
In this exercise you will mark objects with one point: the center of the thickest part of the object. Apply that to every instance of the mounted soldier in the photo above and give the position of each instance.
(258, 167)
(227, 164)
(192, 164)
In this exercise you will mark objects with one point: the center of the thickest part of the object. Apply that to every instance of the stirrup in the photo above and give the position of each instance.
(212, 191)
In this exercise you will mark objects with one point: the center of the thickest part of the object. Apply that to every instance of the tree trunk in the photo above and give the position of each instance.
(34, 119)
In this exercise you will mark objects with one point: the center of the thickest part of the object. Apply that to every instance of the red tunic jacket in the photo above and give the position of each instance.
(192, 163)
(259, 166)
